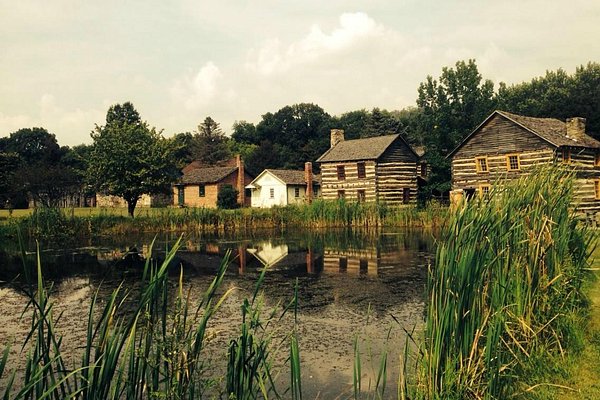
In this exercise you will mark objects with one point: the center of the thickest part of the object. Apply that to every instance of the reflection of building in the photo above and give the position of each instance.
(268, 253)
(355, 261)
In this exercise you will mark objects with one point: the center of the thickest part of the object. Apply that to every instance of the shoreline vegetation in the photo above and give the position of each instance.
(47, 223)
(506, 316)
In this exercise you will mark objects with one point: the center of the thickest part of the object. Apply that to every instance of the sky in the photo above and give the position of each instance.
(63, 63)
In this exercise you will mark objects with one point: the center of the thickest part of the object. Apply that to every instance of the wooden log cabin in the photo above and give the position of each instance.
(382, 168)
(507, 145)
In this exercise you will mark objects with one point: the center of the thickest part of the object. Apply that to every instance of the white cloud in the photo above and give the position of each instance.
(354, 29)
(197, 90)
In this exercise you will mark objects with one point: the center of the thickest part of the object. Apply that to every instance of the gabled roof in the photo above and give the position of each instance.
(206, 175)
(551, 130)
(362, 149)
(288, 176)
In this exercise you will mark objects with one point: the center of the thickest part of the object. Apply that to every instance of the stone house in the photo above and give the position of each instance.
(506, 145)
(382, 168)
(199, 185)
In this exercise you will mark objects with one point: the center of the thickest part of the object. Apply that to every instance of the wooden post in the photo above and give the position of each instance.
(242, 258)
(308, 178)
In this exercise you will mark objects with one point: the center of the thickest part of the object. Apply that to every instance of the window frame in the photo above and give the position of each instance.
(341, 172)
(201, 190)
(478, 165)
(597, 159)
(481, 192)
(361, 195)
(361, 170)
(341, 194)
(597, 189)
(509, 165)
(271, 193)
(296, 192)
(405, 195)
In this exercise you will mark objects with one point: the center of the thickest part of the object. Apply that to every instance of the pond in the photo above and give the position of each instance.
(350, 284)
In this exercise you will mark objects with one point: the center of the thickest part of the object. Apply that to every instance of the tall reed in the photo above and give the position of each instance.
(505, 289)
(154, 351)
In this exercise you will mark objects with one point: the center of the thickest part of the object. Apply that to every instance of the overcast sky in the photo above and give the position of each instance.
(64, 62)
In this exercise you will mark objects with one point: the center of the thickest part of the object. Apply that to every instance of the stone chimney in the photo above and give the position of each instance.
(308, 178)
(576, 128)
(240, 180)
(337, 135)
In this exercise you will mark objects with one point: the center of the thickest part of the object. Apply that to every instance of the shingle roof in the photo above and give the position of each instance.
(207, 175)
(360, 149)
(293, 177)
(551, 130)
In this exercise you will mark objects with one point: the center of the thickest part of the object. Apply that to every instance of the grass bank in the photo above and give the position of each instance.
(320, 214)
(506, 305)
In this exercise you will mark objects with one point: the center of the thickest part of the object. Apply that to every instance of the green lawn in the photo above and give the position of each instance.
(87, 211)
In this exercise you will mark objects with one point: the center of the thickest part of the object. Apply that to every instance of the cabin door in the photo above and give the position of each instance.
(469, 194)
(180, 196)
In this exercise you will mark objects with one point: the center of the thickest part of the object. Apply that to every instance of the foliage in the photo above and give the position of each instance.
(35, 166)
(130, 159)
(209, 144)
(227, 197)
(450, 108)
(505, 290)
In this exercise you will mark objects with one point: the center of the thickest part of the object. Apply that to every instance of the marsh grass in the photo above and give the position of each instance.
(505, 293)
(65, 223)
(155, 351)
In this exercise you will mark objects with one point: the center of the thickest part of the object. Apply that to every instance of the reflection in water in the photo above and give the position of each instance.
(344, 279)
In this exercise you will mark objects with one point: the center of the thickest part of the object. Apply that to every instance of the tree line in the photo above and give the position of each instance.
(128, 157)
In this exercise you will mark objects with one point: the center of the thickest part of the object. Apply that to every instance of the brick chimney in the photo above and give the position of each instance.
(308, 178)
(337, 136)
(240, 180)
(576, 128)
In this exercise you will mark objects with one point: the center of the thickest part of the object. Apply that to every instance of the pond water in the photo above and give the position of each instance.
(349, 283)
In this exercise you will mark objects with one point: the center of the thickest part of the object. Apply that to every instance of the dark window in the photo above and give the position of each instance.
(406, 195)
(297, 192)
(363, 265)
(361, 170)
(360, 195)
(180, 195)
(341, 194)
(201, 190)
(341, 172)
(343, 263)
(248, 192)
(566, 156)
(423, 169)
(272, 193)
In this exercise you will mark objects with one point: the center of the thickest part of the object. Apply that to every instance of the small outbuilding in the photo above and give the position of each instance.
(199, 185)
(280, 187)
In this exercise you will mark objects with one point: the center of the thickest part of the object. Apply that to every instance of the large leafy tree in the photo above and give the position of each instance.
(451, 107)
(39, 170)
(129, 158)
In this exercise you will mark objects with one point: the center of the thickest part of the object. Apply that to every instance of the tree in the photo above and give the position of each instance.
(227, 197)
(450, 108)
(244, 132)
(209, 144)
(129, 159)
(41, 172)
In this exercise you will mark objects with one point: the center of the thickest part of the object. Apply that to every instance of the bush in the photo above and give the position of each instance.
(227, 197)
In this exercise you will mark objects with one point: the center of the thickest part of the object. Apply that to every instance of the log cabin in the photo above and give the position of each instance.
(507, 145)
(382, 168)
(199, 185)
